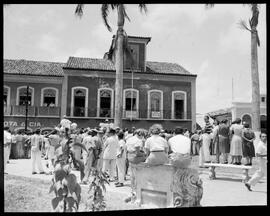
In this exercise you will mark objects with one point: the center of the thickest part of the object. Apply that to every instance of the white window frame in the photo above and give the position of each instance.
(18, 94)
(173, 103)
(112, 101)
(72, 100)
(8, 96)
(137, 96)
(149, 102)
(42, 95)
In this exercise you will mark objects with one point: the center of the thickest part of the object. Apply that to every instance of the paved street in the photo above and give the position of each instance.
(227, 190)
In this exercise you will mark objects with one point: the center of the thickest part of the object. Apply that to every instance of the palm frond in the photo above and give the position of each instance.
(125, 13)
(79, 10)
(143, 8)
(104, 13)
(209, 6)
(243, 25)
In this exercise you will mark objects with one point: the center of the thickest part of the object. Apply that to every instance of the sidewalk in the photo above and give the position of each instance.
(227, 190)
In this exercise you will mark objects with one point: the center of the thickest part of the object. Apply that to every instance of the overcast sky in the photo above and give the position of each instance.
(208, 43)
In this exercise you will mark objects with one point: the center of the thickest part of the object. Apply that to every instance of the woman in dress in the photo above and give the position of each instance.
(156, 147)
(223, 144)
(204, 154)
(236, 142)
(248, 136)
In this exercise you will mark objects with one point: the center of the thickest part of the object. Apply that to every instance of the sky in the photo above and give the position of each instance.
(206, 42)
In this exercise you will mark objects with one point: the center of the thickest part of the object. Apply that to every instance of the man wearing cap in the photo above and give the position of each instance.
(7, 142)
(111, 146)
(36, 144)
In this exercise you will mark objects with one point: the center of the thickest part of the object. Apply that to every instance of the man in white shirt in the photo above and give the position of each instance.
(36, 145)
(111, 146)
(179, 143)
(7, 143)
(261, 154)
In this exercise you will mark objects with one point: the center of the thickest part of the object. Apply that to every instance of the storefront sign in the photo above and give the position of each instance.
(21, 124)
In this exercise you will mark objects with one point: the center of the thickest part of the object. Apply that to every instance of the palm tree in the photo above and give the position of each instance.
(116, 53)
(253, 22)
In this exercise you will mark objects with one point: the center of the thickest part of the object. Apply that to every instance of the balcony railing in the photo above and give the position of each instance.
(21, 110)
(130, 114)
(48, 111)
(105, 113)
(32, 111)
(7, 110)
(79, 111)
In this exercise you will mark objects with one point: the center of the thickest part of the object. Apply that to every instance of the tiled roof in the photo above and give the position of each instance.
(33, 67)
(219, 112)
(28, 67)
(103, 64)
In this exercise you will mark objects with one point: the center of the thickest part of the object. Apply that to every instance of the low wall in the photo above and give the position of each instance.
(167, 186)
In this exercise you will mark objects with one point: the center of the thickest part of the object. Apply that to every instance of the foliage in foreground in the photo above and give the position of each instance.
(97, 187)
(64, 184)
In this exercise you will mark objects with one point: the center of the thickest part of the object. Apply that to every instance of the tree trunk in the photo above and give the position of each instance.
(119, 57)
(255, 104)
(255, 107)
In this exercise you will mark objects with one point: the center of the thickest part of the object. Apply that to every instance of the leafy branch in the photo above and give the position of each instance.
(96, 191)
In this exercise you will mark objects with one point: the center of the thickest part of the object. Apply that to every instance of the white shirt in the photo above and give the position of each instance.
(7, 137)
(262, 148)
(133, 142)
(87, 142)
(180, 144)
(36, 142)
(65, 123)
(122, 145)
(156, 143)
(111, 146)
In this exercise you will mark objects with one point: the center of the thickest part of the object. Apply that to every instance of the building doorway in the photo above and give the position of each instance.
(79, 103)
(179, 109)
(105, 104)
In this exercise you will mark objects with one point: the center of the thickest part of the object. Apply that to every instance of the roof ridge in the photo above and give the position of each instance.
(34, 61)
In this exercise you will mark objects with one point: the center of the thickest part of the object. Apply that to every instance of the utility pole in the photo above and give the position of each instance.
(26, 108)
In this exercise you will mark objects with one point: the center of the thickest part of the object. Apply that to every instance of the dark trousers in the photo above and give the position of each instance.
(127, 165)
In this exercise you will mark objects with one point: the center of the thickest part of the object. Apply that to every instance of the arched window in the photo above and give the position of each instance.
(79, 101)
(246, 118)
(22, 96)
(179, 105)
(131, 103)
(49, 97)
(155, 104)
(6, 95)
(105, 103)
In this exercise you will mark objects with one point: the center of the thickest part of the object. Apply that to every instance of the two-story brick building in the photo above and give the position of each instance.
(83, 90)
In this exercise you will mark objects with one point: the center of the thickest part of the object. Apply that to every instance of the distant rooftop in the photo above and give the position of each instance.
(29, 67)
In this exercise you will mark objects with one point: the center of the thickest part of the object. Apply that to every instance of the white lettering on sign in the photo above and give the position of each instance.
(15, 124)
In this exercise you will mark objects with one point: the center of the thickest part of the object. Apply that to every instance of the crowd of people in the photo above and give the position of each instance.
(116, 150)
(223, 139)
